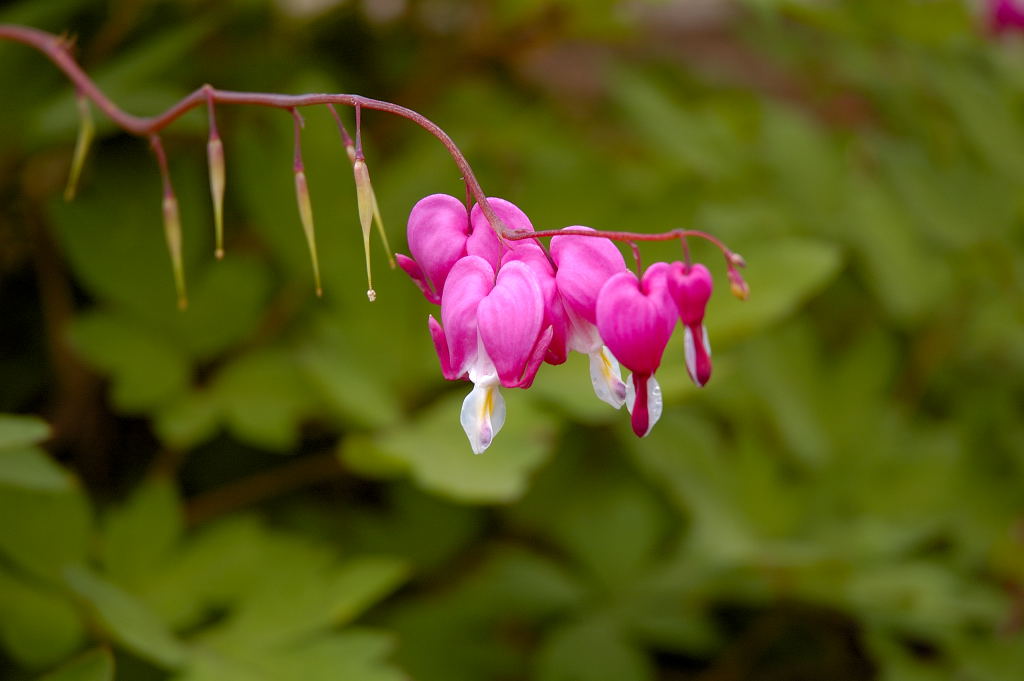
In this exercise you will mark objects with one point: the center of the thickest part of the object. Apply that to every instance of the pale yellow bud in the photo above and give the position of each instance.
(86, 132)
(172, 232)
(306, 216)
(215, 156)
(366, 201)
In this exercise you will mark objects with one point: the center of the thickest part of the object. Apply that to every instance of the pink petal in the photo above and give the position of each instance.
(469, 281)
(410, 267)
(697, 352)
(534, 257)
(1005, 15)
(437, 231)
(441, 347)
(584, 263)
(537, 357)
(690, 288)
(636, 318)
(484, 241)
(639, 416)
(509, 320)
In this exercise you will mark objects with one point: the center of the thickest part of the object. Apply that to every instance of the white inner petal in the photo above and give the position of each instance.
(483, 413)
(690, 353)
(707, 343)
(582, 336)
(606, 377)
(654, 401)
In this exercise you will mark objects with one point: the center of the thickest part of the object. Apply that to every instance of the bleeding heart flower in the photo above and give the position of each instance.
(690, 288)
(440, 233)
(530, 253)
(493, 334)
(636, 319)
(584, 265)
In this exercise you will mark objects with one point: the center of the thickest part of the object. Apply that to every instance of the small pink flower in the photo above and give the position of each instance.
(440, 233)
(492, 334)
(530, 253)
(690, 288)
(534, 257)
(1005, 16)
(636, 319)
(584, 265)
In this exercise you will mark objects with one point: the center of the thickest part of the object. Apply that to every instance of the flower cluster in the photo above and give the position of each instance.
(508, 306)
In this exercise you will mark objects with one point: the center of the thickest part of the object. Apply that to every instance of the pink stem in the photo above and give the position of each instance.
(55, 49)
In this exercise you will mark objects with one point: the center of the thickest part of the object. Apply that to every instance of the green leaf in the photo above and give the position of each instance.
(215, 568)
(227, 300)
(114, 241)
(347, 388)
(39, 627)
(264, 397)
(43, 531)
(127, 620)
(611, 526)
(439, 458)
(421, 528)
(681, 456)
(139, 536)
(95, 665)
(511, 587)
(908, 280)
(32, 468)
(18, 431)
(591, 650)
(688, 137)
(303, 596)
(782, 274)
(188, 420)
(146, 368)
(354, 654)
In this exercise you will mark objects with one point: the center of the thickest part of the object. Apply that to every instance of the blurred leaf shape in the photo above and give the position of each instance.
(126, 619)
(95, 665)
(39, 626)
(138, 537)
(32, 469)
(17, 431)
(782, 275)
(434, 447)
(591, 650)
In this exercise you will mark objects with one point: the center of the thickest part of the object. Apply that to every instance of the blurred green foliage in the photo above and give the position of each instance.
(270, 486)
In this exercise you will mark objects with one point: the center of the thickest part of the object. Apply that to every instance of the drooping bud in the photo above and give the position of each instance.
(172, 221)
(215, 156)
(306, 216)
(366, 201)
(738, 285)
(86, 132)
(305, 205)
(172, 232)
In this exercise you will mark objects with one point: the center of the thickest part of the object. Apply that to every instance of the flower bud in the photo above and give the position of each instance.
(172, 232)
(306, 216)
(367, 204)
(86, 132)
(215, 156)
(738, 285)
